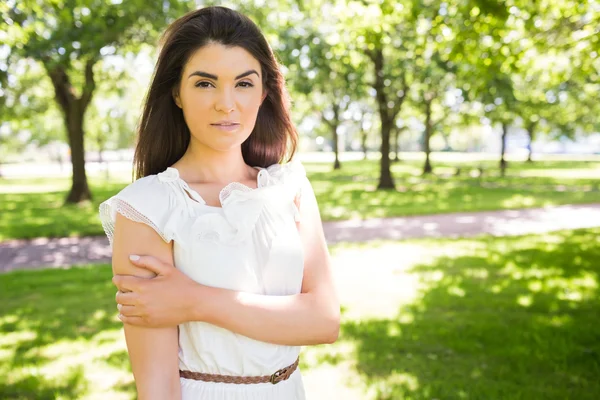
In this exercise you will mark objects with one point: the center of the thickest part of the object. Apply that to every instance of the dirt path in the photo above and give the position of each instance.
(63, 252)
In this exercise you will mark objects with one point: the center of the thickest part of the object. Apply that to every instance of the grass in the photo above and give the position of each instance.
(34, 207)
(486, 318)
(60, 338)
(483, 318)
(351, 192)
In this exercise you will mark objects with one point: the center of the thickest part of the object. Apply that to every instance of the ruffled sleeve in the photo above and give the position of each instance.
(147, 200)
(292, 176)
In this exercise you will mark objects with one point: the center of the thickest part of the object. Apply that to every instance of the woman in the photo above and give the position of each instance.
(239, 265)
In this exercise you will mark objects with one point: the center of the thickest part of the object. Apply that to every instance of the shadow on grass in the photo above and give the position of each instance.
(54, 322)
(517, 320)
(69, 387)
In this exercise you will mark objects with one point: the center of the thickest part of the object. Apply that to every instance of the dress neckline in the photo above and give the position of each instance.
(197, 199)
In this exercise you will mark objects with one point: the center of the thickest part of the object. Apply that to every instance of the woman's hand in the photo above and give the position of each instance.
(161, 301)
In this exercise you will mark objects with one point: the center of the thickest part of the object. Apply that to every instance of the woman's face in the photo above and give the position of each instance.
(220, 94)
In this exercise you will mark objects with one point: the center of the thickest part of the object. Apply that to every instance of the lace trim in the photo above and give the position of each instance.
(129, 212)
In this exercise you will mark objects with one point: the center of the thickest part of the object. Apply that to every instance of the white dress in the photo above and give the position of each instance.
(249, 244)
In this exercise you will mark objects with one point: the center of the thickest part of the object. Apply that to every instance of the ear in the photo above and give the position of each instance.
(176, 98)
(264, 96)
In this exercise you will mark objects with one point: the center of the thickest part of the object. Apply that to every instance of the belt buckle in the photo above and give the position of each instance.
(275, 378)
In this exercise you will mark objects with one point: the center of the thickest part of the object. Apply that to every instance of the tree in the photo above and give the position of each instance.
(434, 75)
(485, 53)
(68, 38)
(324, 66)
(28, 113)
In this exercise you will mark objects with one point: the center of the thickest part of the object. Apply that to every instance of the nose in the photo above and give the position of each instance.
(225, 102)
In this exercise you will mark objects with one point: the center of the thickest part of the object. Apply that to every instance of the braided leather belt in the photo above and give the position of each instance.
(280, 375)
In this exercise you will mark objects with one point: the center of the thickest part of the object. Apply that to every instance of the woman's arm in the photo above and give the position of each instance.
(311, 317)
(153, 352)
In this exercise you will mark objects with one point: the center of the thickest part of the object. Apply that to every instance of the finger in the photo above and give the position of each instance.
(150, 263)
(128, 311)
(127, 283)
(137, 321)
(126, 299)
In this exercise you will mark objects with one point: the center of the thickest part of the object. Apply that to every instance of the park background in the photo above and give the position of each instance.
(475, 121)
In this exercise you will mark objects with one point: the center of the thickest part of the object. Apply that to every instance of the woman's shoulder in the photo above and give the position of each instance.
(292, 173)
(155, 186)
(149, 200)
(150, 194)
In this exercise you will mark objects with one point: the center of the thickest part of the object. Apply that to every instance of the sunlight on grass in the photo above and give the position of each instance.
(592, 172)
(388, 286)
(456, 317)
(519, 201)
(491, 318)
(12, 339)
(36, 188)
(525, 300)
(56, 361)
(60, 338)
(382, 390)
(92, 357)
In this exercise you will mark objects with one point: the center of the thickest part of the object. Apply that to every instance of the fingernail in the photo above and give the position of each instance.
(133, 257)
(120, 316)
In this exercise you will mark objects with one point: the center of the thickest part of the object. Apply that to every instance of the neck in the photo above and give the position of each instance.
(206, 165)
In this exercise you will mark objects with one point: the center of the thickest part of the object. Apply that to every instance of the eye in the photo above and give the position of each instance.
(203, 84)
(246, 84)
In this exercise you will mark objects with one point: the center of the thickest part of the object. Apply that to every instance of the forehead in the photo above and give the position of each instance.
(223, 61)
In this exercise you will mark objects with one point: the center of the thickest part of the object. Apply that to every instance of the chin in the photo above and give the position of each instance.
(222, 142)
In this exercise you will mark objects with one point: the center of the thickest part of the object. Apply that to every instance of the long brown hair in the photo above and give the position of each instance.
(163, 136)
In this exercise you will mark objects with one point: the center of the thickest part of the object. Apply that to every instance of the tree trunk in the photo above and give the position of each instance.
(385, 178)
(333, 126)
(426, 147)
(393, 144)
(336, 146)
(363, 139)
(446, 138)
(397, 144)
(73, 109)
(79, 188)
(530, 132)
(503, 149)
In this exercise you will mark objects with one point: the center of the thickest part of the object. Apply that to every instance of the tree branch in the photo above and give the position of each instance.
(62, 86)
(89, 85)
(335, 122)
(400, 100)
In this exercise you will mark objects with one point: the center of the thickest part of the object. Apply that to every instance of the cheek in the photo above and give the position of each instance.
(250, 105)
(194, 107)
(197, 101)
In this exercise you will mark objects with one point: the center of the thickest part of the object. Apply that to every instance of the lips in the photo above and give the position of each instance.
(226, 126)
(225, 123)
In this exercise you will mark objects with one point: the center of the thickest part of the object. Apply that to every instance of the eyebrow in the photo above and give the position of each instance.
(216, 78)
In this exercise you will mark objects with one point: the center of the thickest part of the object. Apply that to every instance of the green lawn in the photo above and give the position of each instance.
(484, 318)
(34, 207)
